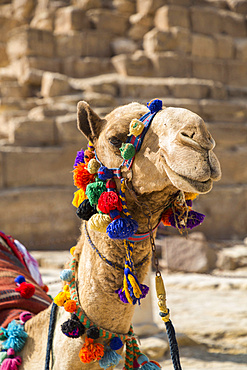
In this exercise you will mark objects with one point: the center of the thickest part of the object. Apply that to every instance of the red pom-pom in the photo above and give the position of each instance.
(88, 155)
(82, 177)
(109, 201)
(110, 184)
(165, 217)
(26, 290)
(45, 288)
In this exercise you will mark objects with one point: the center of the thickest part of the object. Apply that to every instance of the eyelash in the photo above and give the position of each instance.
(115, 141)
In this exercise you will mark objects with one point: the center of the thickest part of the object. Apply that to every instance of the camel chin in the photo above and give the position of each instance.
(187, 184)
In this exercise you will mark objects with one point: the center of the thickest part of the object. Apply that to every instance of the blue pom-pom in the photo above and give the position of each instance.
(20, 279)
(145, 364)
(110, 358)
(66, 275)
(116, 343)
(105, 173)
(154, 105)
(122, 228)
(16, 337)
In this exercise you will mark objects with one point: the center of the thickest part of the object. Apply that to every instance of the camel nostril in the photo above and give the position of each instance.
(190, 136)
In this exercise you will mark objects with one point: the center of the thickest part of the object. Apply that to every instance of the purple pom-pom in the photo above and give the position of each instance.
(122, 228)
(105, 173)
(189, 202)
(79, 158)
(121, 295)
(144, 289)
(194, 219)
(154, 105)
(20, 279)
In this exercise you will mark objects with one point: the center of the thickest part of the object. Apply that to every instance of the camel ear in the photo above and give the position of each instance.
(88, 122)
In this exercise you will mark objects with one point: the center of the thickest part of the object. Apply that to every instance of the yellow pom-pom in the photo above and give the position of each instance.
(79, 197)
(190, 196)
(72, 250)
(136, 127)
(93, 166)
(60, 299)
(70, 306)
(99, 222)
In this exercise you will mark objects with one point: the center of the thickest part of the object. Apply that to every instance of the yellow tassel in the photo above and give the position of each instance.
(93, 166)
(72, 250)
(136, 290)
(190, 196)
(125, 288)
(79, 197)
(136, 127)
(99, 222)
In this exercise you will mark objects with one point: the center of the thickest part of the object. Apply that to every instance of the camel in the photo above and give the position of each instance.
(176, 155)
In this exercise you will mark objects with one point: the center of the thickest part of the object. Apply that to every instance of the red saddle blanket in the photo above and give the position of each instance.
(12, 304)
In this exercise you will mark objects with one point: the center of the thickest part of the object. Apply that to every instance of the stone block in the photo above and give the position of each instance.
(40, 63)
(136, 65)
(88, 4)
(7, 24)
(188, 255)
(233, 24)
(4, 60)
(68, 45)
(233, 165)
(39, 113)
(148, 6)
(14, 90)
(108, 20)
(46, 219)
(186, 88)
(85, 67)
(171, 16)
(174, 39)
(122, 45)
(228, 135)
(23, 9)
(236, 72)
(202, 17)
(223, 111)
(238, 6)
(27, 132)
(38, 166)
(210, 69)
(169, 64)
(232, 258)
(127, 7)
(31, 76)
(140, 24)
(25, 41)
(226, 215)
(241, 48)
(99, 100)
(70, 18)
(224, 46)
(140, 88)
(54, 84)
(68, 132)
(203, 46)
(43, 20)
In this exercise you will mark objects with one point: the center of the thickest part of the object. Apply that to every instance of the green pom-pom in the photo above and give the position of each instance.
(3, 355)
(94, 190)
(127, 151)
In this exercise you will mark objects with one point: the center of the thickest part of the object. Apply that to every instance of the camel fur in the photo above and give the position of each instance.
(176, 154)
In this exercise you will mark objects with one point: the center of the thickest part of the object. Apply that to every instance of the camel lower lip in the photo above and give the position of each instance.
(201, 186)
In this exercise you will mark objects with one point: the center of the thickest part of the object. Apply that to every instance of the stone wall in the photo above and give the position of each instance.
(189, 53)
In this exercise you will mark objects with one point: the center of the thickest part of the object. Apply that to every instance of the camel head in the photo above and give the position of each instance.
(177, 149)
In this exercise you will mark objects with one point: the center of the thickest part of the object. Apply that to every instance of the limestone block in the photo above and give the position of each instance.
(54, 84)
(241, 48)
(14, 90)
(30, 41)
(224, 46)
(223, 111)
(4, 61)
(171, 16)
(203, 46)
(174, 39)
(140, 24)
(99, 100)
(85, 67)
(43, 21)
(233, 165)
(226, 215)
(140, 88)
(122, 45)
(127, 7)
(169, 64)
(70, 18)
(232, 257)
(68, 45)
(31, 76)
(40, 63)
(54, 166)
(46, 218)
(202, 17)
(236, 72)
(7, 23)
(233, 24)
(148, 6)
(228, 135)
(211, 69)
(108, 20)
(189, 89)
(189, 255)
(23, 9)
(88, 4)
(238, 6)
(68, 132)
(39, 113)
(33, 133)
(136, 65)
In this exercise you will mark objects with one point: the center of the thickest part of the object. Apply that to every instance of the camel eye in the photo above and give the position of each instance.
(115, 141)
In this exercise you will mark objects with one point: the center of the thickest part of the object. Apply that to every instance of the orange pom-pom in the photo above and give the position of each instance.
(165, 217)
(82, 177)
(45, 288)
(70, 306)
(91, 351)
(88, 155)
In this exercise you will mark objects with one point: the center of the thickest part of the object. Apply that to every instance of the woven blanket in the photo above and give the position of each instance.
(13, 264)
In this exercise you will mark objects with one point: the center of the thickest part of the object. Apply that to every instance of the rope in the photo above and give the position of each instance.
(50, 335)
